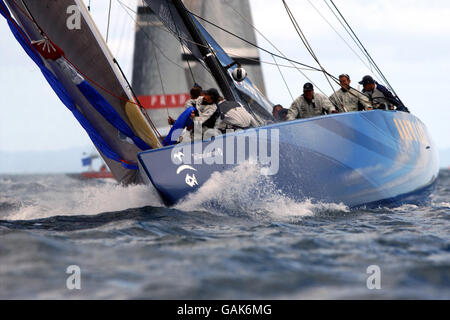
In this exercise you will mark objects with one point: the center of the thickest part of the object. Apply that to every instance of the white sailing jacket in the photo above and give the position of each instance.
(236, 118)
(205, 112)
(349, 100)
(302, 109)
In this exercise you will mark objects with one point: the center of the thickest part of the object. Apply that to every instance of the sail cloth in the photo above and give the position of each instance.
(248, 92)
(59, 88)
(168, 14)
(85, 48)
(104, 108)
(183, 121)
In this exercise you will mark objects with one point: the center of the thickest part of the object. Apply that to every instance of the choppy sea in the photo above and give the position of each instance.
(224, 242)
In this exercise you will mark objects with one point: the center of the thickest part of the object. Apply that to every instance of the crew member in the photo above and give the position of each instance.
(347, 99)
(380, 96)
(279, 113)
(310, 105)
(233, 116)
(195, 92)
(207, 113)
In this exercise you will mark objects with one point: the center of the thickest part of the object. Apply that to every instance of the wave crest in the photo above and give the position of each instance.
(82, 199)
(244, 191)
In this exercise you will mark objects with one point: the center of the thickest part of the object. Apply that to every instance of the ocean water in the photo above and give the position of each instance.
(225, 242)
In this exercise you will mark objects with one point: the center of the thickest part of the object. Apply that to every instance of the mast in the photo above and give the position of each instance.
(218, 72)
(223, 13)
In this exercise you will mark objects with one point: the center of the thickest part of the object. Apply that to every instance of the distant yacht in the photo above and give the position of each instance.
(102, 173)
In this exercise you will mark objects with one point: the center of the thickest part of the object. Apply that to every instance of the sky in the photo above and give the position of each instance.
(409, 40)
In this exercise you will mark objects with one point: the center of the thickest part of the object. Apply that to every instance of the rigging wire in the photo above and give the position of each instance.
(232, 55)
(272, 53)
(27, 14)
(109, 20)
(340, 36)
(188, 63)
(293, 63)
(284, 80)
(124, 26)
(306, 42)
(253, 44)
(31, 17)
(158, 67)
(127, 8)
(350, 34)
(365, 50)
(181, 43)
(282, 56)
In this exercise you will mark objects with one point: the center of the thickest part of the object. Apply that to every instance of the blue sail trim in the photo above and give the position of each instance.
(183, 121)
(60, 91)
(109, 113)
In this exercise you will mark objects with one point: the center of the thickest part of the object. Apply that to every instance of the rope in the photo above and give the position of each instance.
(125, 7)
(188, 63)
(28, 16)
(86, 125)
(269, 52)
(350, 34)
(137, 100)
(181, 43)
(365, 50)
(253, 44)
(283, 56)
(340, 36)
(306, 43)
(109, 19)
(160, 77)
(121, 37)
(284, 80)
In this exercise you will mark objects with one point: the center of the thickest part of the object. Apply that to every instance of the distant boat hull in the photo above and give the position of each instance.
(363, 158)
(91, 175)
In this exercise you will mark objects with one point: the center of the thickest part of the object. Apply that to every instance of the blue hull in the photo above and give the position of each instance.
(363, 158)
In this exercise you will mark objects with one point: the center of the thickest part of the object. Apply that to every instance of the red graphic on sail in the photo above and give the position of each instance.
(164, 101)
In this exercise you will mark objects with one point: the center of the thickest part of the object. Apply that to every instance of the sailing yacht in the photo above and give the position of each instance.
(91, 173)
(359, 158)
